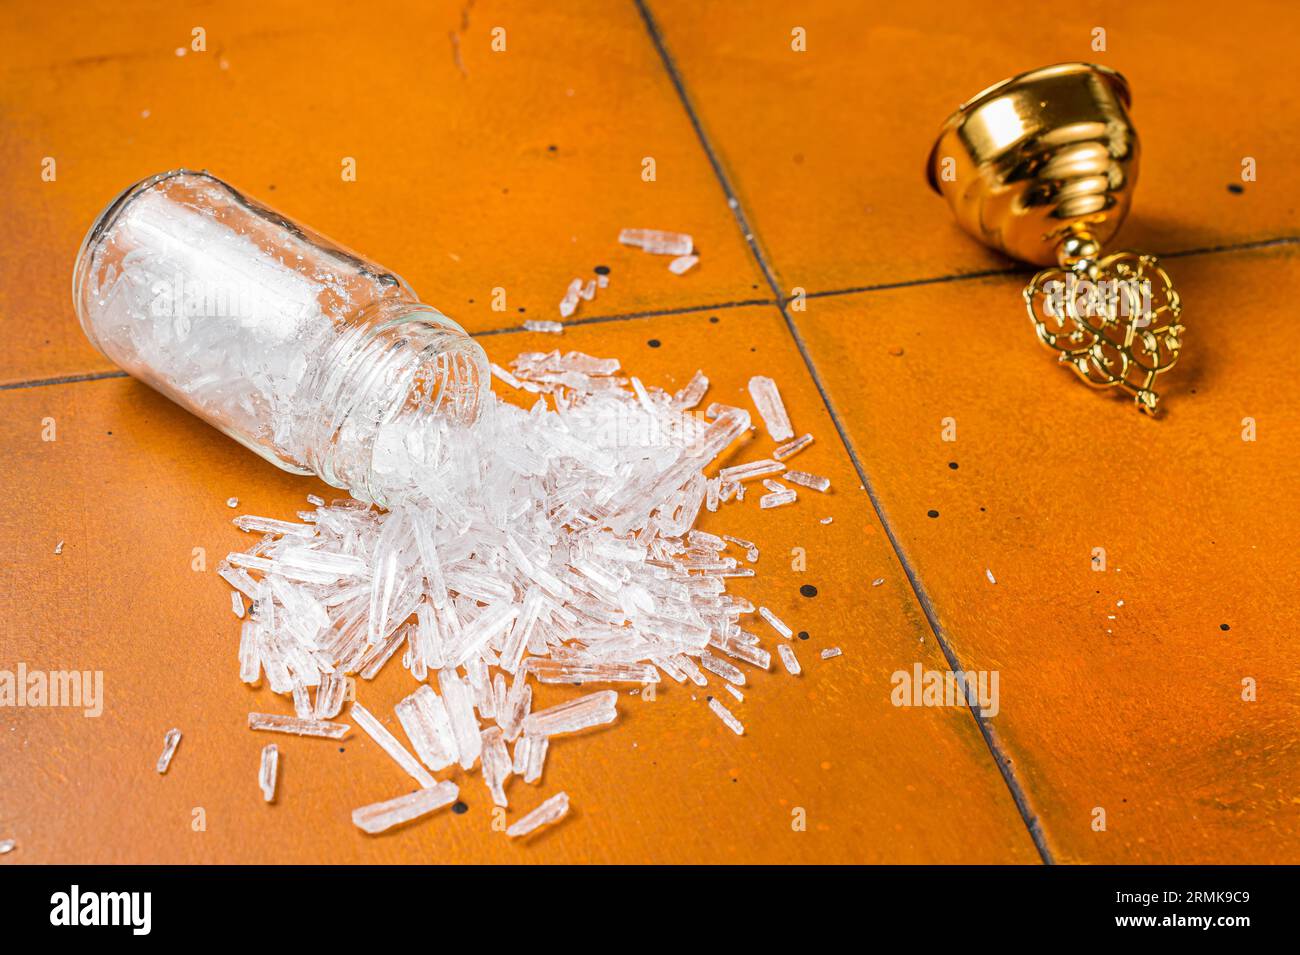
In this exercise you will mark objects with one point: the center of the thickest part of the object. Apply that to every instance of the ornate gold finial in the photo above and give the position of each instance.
(1042, 167)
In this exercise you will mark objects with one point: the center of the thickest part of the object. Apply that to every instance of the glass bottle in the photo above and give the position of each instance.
(289, 343)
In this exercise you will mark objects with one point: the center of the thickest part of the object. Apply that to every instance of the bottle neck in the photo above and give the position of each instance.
(399, 368)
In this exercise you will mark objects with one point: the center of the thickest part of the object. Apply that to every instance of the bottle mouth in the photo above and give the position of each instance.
(406, 369)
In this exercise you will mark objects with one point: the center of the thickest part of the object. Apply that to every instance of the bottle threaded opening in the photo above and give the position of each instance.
(398, 372)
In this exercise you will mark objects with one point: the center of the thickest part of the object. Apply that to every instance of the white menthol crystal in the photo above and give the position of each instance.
(275, 723)
(683, 264)
(171, 740)
(831, 652)
(569, 304)
(657, 242)
(804, 479)
(389, 744)
(767, 399)
(777, 499)
(553, 810)
(788, 658)
(777, 623)
(7, 846)
(384, 815)
(535, 325)
(267, 774)
(530, 756)
(497, 765)
(791, 448)
(726, 716)
(754, 469)
(424, 718)
(593, 709)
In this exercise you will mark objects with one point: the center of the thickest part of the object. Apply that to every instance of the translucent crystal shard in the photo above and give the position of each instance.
(658, 242)
(594, 709)
(788, 658)
(270, 525)
(691, 394)
(381, 653)
(564, 671)
(7, 846)
(267, 774)
(831, 652)
(530, 756)
(519, 701)
(275, 723)
(791, 448)
(804, 479)
(250, 665)
(683, 264)
(496, 764)
(424, 718)
(458, 698)
(750, 548)
(777, 623)
(390, 745)
(754, 469)
(551, 811)
(726, 716)
(767, 399)
(777, 499)
(329, 696)
(382, 816)
(538, 325)
(729, 672)
(171, 739)
(569, 304)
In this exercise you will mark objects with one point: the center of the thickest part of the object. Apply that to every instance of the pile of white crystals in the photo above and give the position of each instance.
(551, 545)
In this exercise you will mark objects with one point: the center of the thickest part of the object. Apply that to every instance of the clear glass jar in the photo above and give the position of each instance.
(294, 346)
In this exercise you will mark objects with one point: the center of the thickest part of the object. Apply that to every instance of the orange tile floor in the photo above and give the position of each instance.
(1121, 690)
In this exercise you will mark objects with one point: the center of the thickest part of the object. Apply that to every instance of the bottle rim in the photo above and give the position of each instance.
(355, 384)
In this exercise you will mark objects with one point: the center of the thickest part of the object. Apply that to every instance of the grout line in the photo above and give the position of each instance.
(911, 283)
(1254, 244)
(629, 316)
(1233, 247)
(64, 380)
(1003, 763)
